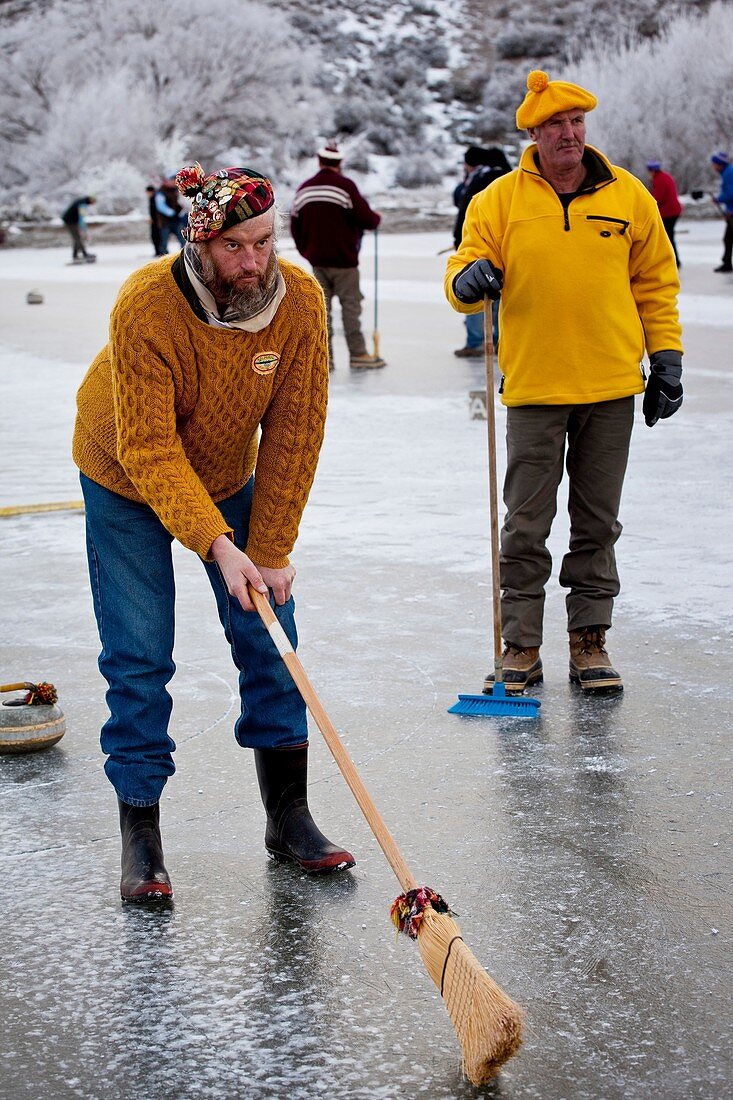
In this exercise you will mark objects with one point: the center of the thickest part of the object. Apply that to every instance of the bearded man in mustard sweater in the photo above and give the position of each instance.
(202, 420)
(576, 251)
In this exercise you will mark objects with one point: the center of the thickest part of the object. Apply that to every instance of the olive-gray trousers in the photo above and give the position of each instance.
(597, 438)
(343, 283)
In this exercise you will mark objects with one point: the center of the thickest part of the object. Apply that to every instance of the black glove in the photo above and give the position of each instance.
(663, 394)
(477, 281)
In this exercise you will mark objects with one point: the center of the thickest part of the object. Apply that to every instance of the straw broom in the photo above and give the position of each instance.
(487, 1022)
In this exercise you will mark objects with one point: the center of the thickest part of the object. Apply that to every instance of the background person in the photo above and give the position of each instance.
(154, 218)
(74, 218)
(207, 350)
(577, 251)
(480, 168)
(327, 221)
(722, 165)
(171, 217)
(664, 190)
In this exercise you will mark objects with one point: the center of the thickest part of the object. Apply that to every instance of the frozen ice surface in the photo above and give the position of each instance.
(587, 878)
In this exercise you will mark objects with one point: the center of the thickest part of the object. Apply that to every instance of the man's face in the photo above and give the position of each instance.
(240, 263)
(561, 140)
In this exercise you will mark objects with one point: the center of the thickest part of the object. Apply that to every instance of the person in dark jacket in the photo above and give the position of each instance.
(664, 190)
(171, 216)
(480, 168)
(75, 221)
(327, 222)
(154, 220)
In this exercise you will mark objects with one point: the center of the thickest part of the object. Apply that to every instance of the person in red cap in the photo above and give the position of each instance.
(575, 249)
(664, 190)
(201, 421)
(327, 220)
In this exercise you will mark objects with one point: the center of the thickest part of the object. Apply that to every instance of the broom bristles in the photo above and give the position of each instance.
(487, 1022)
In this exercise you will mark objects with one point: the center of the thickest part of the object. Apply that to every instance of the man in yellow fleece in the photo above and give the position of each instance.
(208, 350)
(576, 251)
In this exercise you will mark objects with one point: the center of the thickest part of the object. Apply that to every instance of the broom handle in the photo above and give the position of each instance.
(493, 497)
(375, 334)
(332, 739)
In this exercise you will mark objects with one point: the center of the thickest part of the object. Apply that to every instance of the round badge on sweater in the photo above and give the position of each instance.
(265, 362)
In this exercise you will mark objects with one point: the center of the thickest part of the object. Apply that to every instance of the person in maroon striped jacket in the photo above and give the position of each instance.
(327, 220)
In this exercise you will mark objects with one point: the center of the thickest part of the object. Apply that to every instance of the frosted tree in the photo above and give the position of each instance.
(85, 82)
(667, 97)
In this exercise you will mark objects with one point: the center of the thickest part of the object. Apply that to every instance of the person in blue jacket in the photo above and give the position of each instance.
(721, 164)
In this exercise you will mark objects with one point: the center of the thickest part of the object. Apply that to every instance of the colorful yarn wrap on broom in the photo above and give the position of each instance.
(408, 910)
(39, 695)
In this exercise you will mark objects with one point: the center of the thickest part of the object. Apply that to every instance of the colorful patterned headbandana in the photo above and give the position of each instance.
(223, 199)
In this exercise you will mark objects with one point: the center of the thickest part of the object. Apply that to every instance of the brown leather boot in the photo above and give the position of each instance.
(590, 665)
(291, 832)
(144, 876)
(522, 666)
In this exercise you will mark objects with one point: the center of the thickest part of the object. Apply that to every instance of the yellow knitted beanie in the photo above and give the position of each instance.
(546, 97)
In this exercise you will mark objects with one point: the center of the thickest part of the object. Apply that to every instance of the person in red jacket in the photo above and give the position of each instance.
(327, 221)
(664, 190)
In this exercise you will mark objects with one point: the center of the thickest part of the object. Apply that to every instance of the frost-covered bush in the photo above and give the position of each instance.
(417, 170)
(25, 208)
(468, 86)
(528, 42)
(668, 98)
(119, 186)
(492, 124)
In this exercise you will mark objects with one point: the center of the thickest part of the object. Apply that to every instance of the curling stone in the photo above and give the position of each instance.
(33, 722)
(34, 298)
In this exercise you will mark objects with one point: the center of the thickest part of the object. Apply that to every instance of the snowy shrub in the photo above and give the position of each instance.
(492, 124)
(664, 97)
(26, 208)
(417, 170)
(118, 186)
(350, 116)
(468, 86)
(528, 42)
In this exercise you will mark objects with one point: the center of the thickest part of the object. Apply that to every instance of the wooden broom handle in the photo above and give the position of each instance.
(493, 496)
(332, 739)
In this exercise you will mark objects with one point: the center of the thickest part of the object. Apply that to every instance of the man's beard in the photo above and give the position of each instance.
(232, 298)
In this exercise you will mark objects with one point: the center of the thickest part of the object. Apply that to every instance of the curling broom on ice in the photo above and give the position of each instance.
(495, 703)
(487, 1022)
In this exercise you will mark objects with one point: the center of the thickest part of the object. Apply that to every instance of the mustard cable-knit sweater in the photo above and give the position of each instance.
(169, 411)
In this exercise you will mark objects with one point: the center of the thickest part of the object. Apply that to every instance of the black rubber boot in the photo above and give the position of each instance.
(291, 832)
(143, 871)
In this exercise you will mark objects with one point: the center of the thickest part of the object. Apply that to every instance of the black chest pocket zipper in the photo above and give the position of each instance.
(611, 221)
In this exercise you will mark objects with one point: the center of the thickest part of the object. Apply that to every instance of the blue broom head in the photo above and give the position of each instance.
(496, 705)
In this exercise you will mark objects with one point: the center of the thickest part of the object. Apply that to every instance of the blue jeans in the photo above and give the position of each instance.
(168, 226)
(474, 330)
(133, 589)
(475, 327)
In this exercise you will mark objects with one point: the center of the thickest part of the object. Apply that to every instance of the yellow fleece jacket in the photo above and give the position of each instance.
(169, 411)
(584, 292)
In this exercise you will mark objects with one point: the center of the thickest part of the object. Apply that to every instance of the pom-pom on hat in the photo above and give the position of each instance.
(654, 165)
(223, 199)
(546, 97)
(720, 158)
(330, 151)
